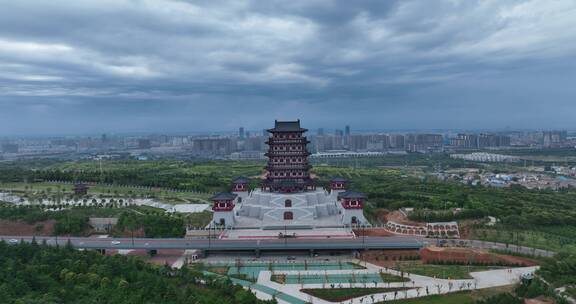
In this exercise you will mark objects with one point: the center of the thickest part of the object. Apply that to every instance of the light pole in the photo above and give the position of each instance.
(209, 235)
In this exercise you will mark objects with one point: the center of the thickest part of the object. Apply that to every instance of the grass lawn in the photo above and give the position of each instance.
(455, 298)
(50, 189)
(343, 294)
(464, 297)
(442, 271)
(392, 278)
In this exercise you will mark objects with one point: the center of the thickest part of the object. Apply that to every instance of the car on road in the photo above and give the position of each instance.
(13, 241)
(146, 244)
(115, 242)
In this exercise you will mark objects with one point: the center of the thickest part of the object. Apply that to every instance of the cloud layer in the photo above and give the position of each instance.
(150, 65)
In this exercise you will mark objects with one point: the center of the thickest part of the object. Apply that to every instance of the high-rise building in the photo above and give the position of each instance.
(424, 142)
(479, 141)
(347, 131)
(554, 138)
(144, 143)
(241, 132)
(396, 141)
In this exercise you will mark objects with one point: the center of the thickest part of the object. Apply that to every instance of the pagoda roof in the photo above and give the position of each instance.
(223, 196)
(351, 194)
(241, 180)
(287, 126)
(338, 179)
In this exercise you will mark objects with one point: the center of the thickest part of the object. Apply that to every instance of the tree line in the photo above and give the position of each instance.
(36, 273)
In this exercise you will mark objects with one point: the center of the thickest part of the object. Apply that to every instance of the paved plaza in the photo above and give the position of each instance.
(417, 286)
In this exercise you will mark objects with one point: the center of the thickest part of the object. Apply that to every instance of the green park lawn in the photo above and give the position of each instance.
(455, 272)
(455, 298)
(51, 189)
(343, 294)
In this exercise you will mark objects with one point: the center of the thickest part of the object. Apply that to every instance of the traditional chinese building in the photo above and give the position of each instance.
(288, 169)
(288, 196)
(240, 184)
(353, 203)
(223, 208)
(338, 184)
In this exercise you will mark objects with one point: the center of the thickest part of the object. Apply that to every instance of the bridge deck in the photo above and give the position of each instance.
(227, 245)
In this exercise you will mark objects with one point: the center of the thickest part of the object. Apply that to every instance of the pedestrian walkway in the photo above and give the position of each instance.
(336, 276)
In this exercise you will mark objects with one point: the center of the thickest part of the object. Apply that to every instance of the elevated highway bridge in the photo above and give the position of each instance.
(361, 243)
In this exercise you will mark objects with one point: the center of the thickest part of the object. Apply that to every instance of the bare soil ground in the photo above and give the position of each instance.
(45, 228)
(166, 256)
(397, 217)
(387, 258)
(464, 255)
(372, 232)
(540, 300)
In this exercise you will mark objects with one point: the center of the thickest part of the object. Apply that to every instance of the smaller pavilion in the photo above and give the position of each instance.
(223, 207)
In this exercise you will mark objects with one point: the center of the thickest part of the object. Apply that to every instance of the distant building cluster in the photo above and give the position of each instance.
(251, 145)
(479, 141)
(485, 157)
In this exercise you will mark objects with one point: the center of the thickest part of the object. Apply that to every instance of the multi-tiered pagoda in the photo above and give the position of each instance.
(288, 169)
(288, 196)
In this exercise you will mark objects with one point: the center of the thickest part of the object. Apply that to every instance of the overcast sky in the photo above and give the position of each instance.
(71, 67)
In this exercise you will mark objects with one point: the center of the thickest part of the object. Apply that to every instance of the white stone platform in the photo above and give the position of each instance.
(266, 209)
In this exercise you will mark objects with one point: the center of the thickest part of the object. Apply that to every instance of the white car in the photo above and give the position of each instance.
(115, 242)
(13, 241)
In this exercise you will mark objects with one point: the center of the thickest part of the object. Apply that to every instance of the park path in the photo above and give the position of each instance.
(419, 285)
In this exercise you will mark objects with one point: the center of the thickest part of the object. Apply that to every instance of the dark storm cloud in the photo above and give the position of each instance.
(150, 65)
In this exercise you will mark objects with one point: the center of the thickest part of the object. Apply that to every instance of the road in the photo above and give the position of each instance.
(227, 245)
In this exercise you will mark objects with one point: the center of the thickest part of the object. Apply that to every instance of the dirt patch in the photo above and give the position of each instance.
(471, 256)
(397, 217)
(166, 256)
(45, 228)
(372, 232)
(388, 258)
(540, 300)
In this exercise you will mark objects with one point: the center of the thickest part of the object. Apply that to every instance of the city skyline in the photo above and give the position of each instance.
(88, 67)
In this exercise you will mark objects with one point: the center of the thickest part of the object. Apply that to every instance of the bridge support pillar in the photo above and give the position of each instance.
(101, 251)
(257, 253)
(311, 253)
(152, 252)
